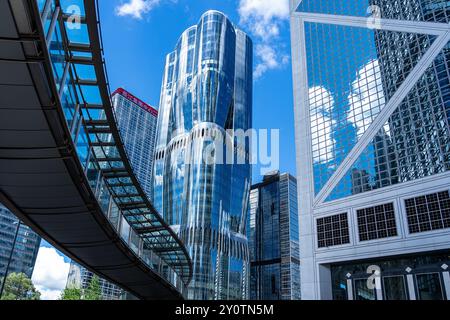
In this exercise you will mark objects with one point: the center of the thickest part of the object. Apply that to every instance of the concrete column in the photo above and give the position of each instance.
(350, 289)
(378, 289)
(325, 285)
(446, 277)
(411, 289)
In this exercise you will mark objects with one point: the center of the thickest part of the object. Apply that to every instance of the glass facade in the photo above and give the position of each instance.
(346, 95)
(206, 92)
(372, 87)
(136, 122)
(274, 239)
(19, 245)
(79, 277)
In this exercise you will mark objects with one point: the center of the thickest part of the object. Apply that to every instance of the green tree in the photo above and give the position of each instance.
(19, 287)
(71, 294)
(93, 291)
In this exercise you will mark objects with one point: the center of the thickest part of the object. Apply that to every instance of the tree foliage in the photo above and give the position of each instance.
(71, 294)
(92, 292)
(19, 287)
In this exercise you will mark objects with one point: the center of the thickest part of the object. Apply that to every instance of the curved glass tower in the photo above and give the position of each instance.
(206, 97)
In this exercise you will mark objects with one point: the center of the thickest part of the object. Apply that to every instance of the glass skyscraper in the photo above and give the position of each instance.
(137, 122)
(19, 245)
(206, 97)
(79, 277)
(372, 103)
(274, 239)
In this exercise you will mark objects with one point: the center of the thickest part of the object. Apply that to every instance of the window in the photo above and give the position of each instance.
(429, 212)
(333, 230)
(376, 222)
(429, 286)
(362, 292)
(394, 288)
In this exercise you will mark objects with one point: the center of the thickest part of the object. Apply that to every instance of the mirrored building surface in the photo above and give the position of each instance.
(274, 239)
(80, 278)
(19, 245)
(372, 102)
(137, 121)
(201, 169)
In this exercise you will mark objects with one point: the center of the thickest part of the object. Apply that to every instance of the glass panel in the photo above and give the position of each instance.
(93, 175)
(85, 72)
(394, 288)
(423, 10)
(103, 197)
(114, 215)
(125, 230)
(414, 143)
(91, 95)
(57, 56)
(68, 101)
(78, 35)
(348, 7)
(429, 286)
(48, 20)
(73, 6)
(41, 4)
(346, 94)
(134, 241)
(362, 292)
(82, 147)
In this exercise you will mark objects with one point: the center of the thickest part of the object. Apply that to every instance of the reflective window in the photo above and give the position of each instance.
(429, 286)
(362, 291)
(350, 85)
(394, 288)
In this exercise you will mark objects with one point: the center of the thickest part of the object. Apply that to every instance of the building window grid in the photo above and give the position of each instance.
(333, 230)
(376, 222)
(428, 212)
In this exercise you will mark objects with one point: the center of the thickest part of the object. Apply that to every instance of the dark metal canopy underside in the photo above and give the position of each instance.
(41, 178)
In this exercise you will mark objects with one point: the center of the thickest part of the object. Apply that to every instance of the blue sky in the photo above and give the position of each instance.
(138, 34)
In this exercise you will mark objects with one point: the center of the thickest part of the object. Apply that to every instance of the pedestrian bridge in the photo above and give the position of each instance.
(63, 168)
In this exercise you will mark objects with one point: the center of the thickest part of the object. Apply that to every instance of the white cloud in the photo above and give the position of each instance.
(321, 103)
(50, 273)
(269, 59)
(136, 8)
(264, 18)
(366, 98)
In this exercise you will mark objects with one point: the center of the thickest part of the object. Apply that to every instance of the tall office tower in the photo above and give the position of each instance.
(79, 277)
(137, 122)
(19, 245)
(206, 97)
(372, 110)
(273, 239)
